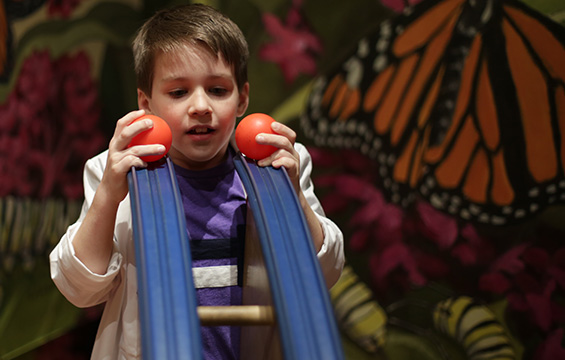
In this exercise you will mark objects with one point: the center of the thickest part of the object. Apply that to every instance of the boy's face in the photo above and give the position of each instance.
(197, 95)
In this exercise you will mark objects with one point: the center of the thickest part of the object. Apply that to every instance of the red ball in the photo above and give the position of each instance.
(247, 130)
(160, 133)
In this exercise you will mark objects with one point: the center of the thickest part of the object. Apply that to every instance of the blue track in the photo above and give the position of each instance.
(170, 326)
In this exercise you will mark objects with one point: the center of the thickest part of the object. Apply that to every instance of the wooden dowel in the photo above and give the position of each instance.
(236, 315)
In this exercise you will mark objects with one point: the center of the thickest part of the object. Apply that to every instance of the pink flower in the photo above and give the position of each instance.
(436, 226)
(552, 348)
(8, 113)
(464, 244)
(558, 274)
(540, 306)
(517, 302)
(556, 267)
(465, 253)
(391, 225)
(80, 109)
(355, 188)
(35, 86)
(62, 7)
(334, 203)
(510, 262)
(348, 188)
(432, 266)
(49, 127)
(522, 274)
(536, 258)
(11, 152)
(360, 239)
(398, 5)
(472, 249)
(396, 257)
(495, 283)
(294, 45)
(76, 152)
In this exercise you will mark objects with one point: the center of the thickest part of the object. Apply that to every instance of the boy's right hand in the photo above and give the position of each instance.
(121, 158)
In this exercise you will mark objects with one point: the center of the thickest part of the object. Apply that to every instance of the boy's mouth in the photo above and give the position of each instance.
(200, 130)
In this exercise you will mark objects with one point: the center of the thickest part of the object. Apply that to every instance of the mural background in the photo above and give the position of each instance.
(66, 76)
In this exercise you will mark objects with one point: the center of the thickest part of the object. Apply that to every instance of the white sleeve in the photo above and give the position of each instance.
(331, 255)
(76, 282)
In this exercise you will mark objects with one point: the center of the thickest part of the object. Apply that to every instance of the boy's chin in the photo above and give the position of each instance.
(198, 160)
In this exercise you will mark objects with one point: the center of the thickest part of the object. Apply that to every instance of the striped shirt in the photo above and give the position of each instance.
(215, 209)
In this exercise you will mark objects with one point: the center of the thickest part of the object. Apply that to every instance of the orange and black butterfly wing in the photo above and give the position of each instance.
(501, 157)
(459, 102)
(504, 160)
(381, 99)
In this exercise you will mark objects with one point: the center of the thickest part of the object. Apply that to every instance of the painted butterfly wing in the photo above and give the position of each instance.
(460, 102)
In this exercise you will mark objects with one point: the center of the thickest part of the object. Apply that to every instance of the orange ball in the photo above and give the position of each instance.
(160, 133)
(247, 130)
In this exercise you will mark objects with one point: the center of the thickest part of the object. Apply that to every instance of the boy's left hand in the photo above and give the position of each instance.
(286, 155)
(289, 158)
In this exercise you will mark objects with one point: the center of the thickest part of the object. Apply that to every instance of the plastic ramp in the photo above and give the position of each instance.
(170, 327)
(167, 299)
(303, 310)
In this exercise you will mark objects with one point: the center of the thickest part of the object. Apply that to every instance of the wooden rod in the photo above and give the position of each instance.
(236, 315)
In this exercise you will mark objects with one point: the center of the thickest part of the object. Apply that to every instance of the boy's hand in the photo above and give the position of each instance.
(289, 158)
(286, 155)
(93, 241)
(121, 157)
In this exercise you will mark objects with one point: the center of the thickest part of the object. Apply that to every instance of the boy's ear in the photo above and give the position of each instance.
(243, 100)
(143, 101)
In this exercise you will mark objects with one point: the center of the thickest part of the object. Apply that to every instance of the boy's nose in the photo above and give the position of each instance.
(199, 103)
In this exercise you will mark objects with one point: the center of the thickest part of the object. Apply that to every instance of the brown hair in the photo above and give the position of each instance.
(194, 24)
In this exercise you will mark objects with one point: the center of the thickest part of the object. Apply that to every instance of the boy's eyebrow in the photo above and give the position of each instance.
(222, 76)
(210, 77)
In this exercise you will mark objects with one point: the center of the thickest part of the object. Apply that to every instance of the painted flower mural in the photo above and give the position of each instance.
(63, 8)
(381, 111)
(59, 99)
(49, 127)
(294, 47)
(414, 252)
(50, 124)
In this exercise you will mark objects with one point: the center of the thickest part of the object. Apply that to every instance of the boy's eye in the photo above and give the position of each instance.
(218, 91)
(177, 93)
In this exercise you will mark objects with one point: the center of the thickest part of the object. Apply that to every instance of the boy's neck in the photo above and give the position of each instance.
(196, 166)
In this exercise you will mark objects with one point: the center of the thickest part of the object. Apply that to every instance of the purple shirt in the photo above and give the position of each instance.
(215, 208)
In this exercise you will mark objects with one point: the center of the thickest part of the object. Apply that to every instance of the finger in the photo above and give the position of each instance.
(278, 141)
(126, 130)
(291, 166)
(284, 138)
(122, 161)
(284, 130)
(280, 157)
(129, 118)
(118, 166)
(129, 161)
(147, 150)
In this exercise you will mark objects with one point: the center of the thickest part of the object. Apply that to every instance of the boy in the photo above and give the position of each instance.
(191, 66)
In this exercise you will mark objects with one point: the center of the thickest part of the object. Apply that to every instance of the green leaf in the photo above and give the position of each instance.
(354, 352)
(554, 9)
(33, 311)
(404, 345)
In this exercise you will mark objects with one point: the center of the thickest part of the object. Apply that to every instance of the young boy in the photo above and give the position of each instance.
(191, 67)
